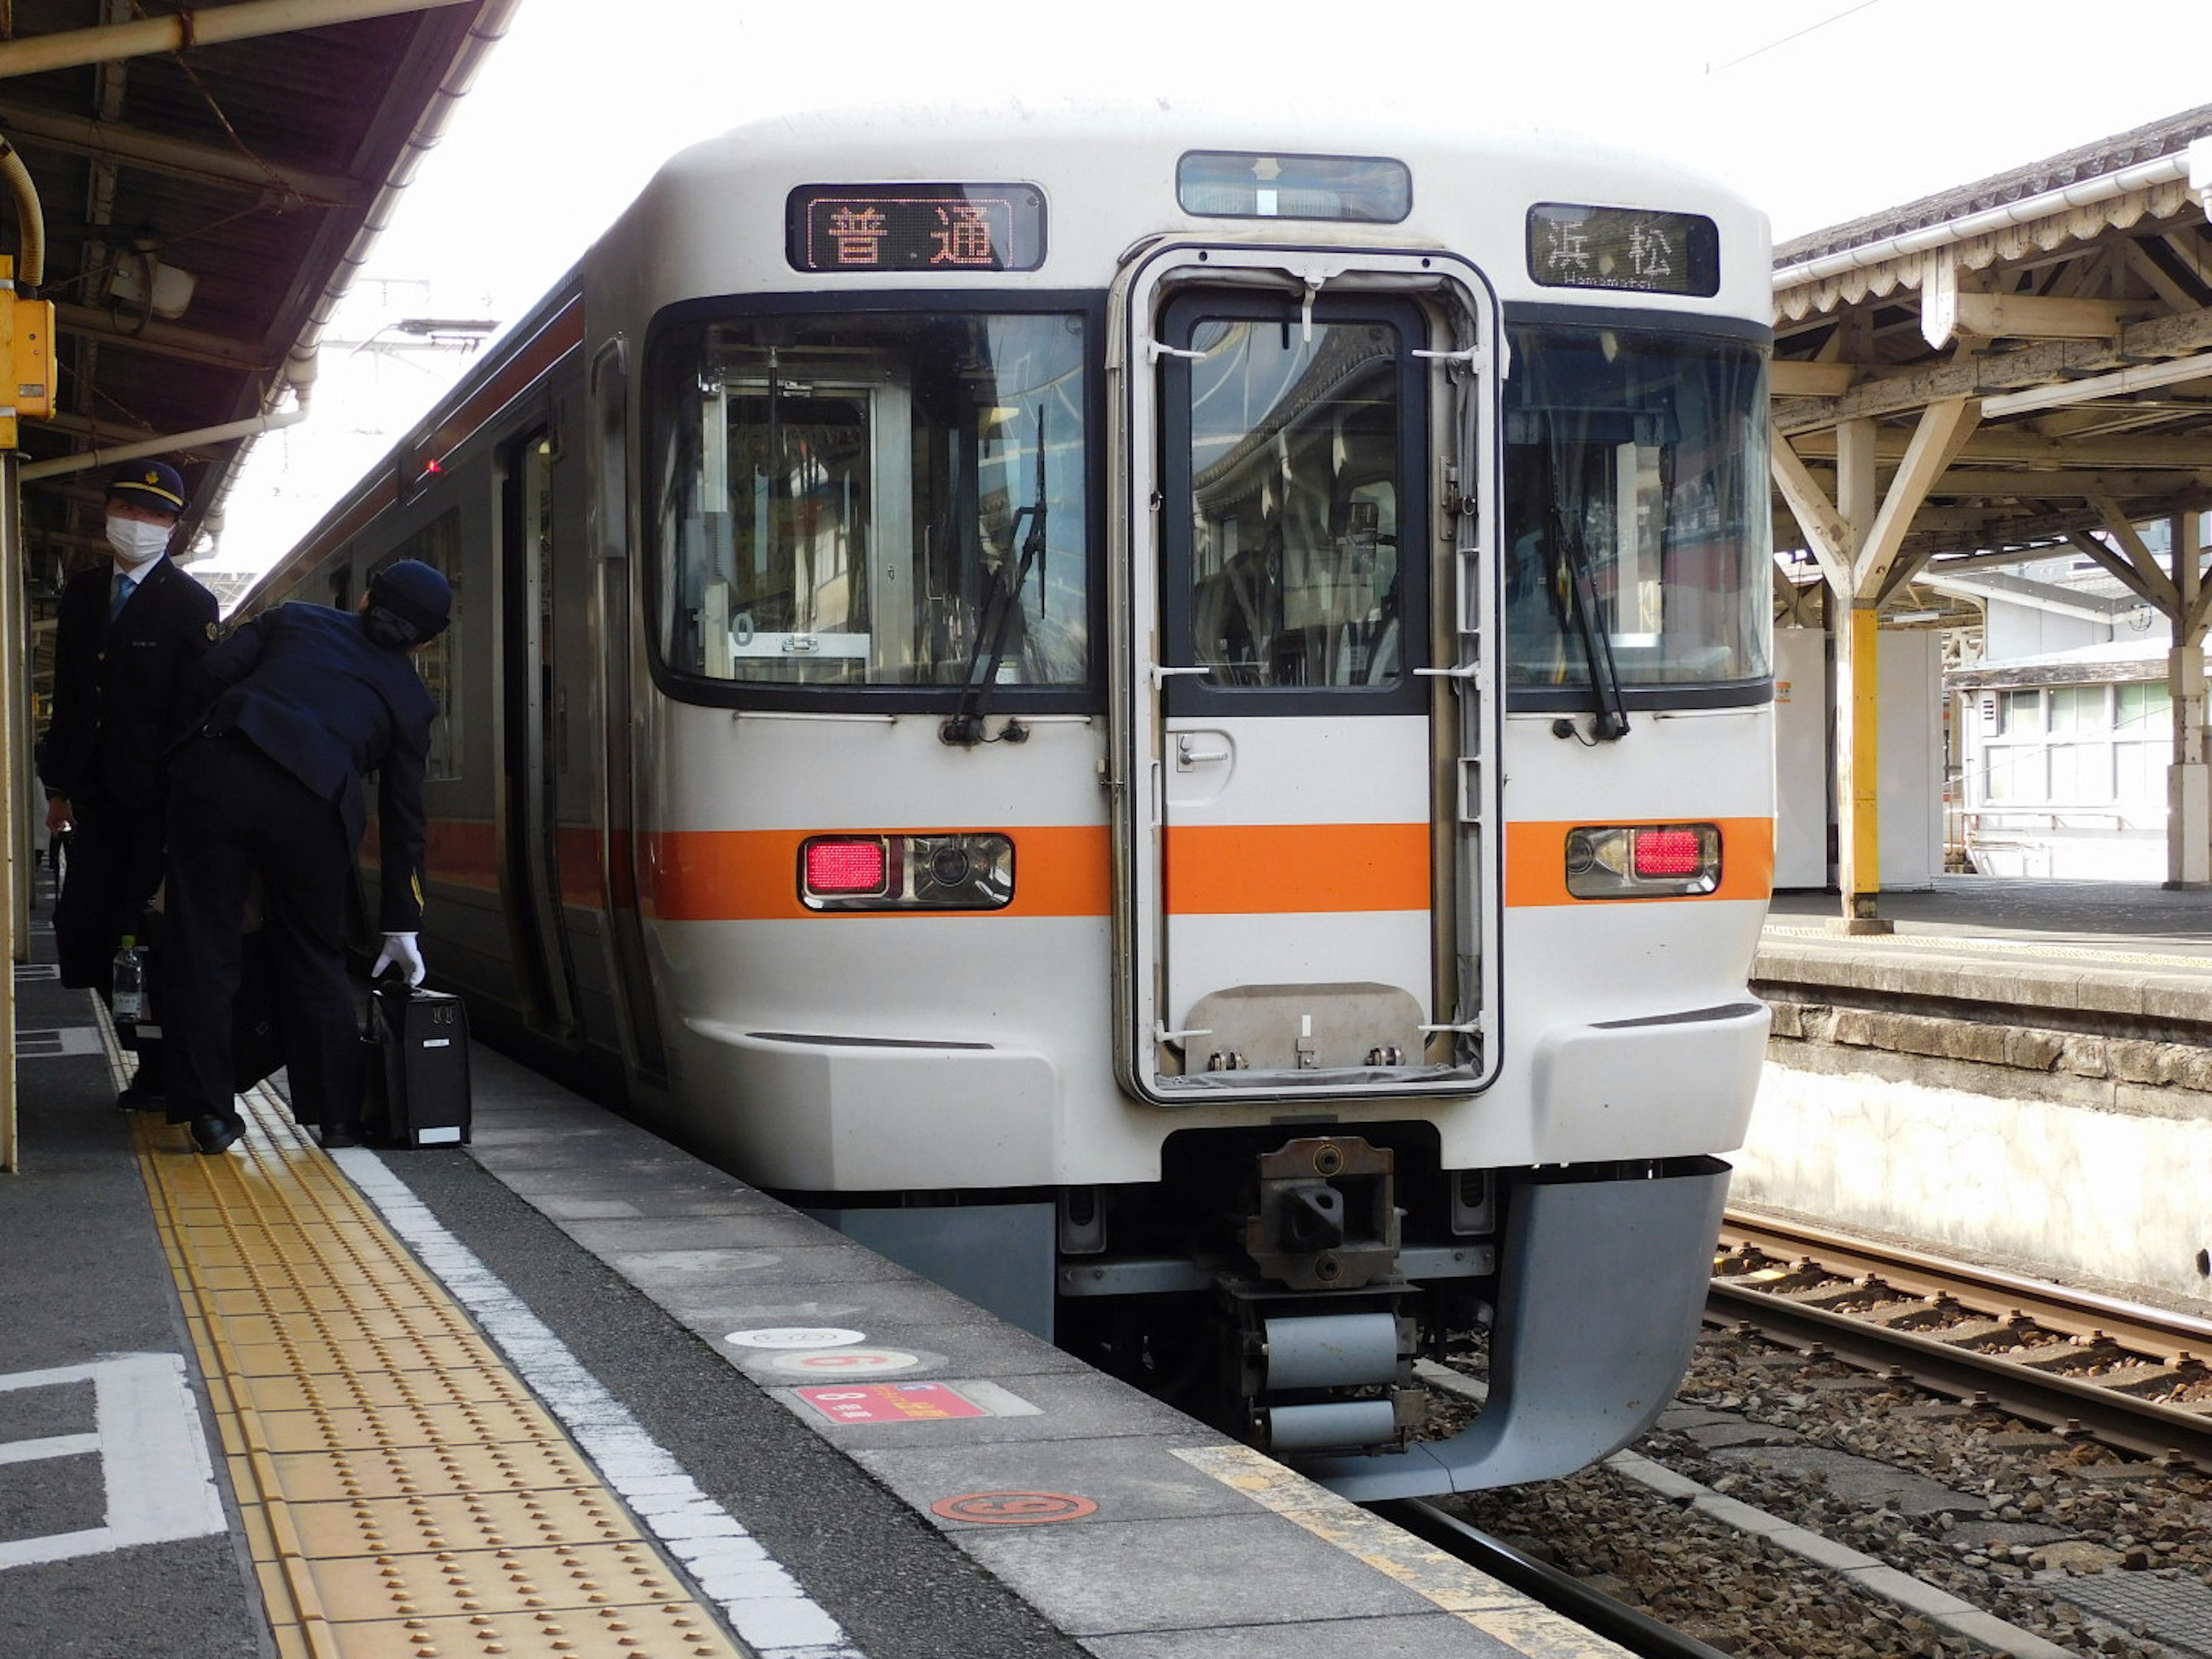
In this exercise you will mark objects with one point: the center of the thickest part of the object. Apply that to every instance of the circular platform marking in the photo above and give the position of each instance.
(795, 1336)
(1014, 1509)
(845, 1362)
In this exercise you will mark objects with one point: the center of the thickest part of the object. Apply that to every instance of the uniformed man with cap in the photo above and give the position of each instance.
(128, 641)
(306, 703)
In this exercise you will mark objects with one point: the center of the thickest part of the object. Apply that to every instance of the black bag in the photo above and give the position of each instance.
(257, 1040)
(415, 1067)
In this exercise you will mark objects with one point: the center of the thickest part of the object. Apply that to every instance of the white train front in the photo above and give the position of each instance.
(1167, 719)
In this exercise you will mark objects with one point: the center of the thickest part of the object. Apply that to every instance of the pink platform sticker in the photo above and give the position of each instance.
(892, 1402)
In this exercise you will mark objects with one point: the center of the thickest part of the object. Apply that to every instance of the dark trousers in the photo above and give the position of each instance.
(233, 811)
(114, 866)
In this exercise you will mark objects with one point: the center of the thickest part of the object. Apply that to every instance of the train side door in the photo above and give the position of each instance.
(1307, 803)
(529, 864)
(610, 506)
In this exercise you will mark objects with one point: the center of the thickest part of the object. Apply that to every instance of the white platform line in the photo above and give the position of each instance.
(154, 1459)
(764, 1602)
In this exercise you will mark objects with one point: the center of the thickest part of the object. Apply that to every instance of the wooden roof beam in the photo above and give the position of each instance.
(1789, 377)
(167, 340)
(1829, 538)
(1948, 313)
(2021, 446)
(2046, 363)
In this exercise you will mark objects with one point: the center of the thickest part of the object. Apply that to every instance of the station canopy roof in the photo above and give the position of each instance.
(204, 206)
(2035, 353)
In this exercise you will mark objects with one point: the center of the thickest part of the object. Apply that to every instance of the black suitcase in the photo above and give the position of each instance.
(415, 1061)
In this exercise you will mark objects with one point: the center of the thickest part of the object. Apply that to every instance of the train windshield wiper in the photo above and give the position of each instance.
(1611, 721)
(1004, 598)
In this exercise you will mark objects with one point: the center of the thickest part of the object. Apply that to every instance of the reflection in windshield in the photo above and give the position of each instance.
(847, 501)
(1293, 466)
(1639, 462)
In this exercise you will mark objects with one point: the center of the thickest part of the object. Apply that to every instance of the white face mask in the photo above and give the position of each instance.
(136, 542)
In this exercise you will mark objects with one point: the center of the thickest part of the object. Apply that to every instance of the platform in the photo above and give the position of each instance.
(2022, 1073)
(2126, 917)
(567, 1391)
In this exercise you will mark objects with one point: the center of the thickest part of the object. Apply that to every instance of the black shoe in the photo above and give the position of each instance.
(335, 1135)
(214, 1135)
(136, 1099)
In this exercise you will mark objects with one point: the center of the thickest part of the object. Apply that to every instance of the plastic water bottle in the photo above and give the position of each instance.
(130, 986)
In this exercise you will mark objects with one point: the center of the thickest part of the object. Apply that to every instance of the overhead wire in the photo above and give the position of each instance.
(1810, 29)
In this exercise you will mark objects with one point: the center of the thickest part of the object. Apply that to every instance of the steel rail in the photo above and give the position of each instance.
(2086, 1313)
(1630, 1627)
(2115, 1418)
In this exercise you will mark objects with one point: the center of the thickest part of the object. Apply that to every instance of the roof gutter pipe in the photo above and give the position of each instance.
(252, 427)
(490, 27)
(2193, 165)
(300, 363)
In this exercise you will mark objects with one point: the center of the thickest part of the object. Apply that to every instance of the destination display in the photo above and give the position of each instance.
(923, 227)
(1639, 249)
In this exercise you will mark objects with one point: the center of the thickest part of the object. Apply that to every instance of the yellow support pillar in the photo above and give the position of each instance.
(1858, 755)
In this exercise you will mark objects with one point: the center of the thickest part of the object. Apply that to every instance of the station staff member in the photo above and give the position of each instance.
(308, 701)
(128, 642)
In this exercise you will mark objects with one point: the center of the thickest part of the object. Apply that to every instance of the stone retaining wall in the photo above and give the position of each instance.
(2056, 1115)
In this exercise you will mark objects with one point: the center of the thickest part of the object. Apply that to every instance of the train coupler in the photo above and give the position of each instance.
(1325, 1216)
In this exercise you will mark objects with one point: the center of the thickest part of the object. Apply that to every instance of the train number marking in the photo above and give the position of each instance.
(892, 1402)
(795, 1336)
(1014, 1509)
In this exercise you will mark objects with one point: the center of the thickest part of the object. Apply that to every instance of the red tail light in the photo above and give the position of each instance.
(1663, 853)
(946, 870)
(1644, 860)
(845, 866)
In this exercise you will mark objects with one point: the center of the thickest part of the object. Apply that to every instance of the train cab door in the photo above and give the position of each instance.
(533, 727)
(1310, 808)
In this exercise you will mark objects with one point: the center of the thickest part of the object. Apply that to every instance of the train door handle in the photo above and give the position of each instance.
(1187, 757)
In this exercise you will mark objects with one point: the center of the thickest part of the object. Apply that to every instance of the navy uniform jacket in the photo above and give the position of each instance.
(317, 695)
(122, 689)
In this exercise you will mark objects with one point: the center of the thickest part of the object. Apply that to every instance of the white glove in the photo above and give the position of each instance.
(400, 950)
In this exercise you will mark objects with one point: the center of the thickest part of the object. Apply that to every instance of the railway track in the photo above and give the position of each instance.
(1628, 1627)
(2130, 1377)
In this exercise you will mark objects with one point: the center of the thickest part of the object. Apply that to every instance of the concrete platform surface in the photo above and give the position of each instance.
(838, 1458)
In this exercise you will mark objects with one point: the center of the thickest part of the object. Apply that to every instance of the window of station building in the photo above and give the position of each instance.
(438, 545)
(2078, 747)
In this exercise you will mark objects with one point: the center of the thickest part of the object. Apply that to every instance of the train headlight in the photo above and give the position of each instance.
(1655, 861)
(953, 869)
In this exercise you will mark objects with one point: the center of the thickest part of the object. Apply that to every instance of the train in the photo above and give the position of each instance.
(1165, 715)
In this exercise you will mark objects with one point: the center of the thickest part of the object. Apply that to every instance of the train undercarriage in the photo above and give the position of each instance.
(1290, 1315)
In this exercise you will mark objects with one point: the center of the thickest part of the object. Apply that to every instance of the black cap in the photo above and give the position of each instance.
(415, 594)
(150, 483)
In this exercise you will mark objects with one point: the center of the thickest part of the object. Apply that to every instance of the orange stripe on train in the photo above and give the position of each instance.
(1266, 869)
(752, 875)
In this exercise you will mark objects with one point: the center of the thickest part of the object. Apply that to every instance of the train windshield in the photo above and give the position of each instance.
(878, 499)
(1636, 489)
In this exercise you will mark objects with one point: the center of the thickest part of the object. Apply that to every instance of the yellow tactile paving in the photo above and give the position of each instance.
(405, 1495)
(1492, 1608)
